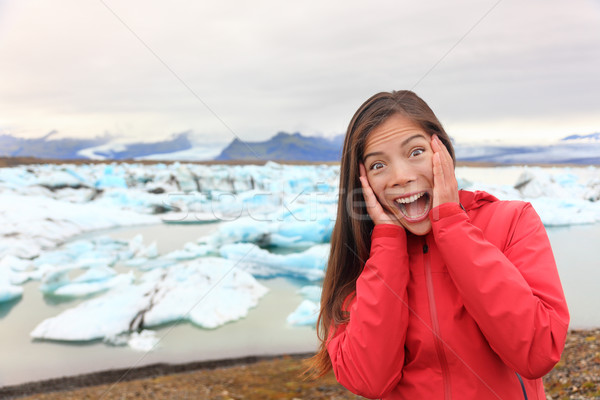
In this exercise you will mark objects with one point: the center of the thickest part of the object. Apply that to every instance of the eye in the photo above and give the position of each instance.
(417, 152)
(376, 165)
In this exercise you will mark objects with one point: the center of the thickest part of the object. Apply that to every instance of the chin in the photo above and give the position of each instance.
(419, 229)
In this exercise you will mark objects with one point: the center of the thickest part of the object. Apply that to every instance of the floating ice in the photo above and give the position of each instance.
(11, 278)
(9, 292)
(561, 196)
(32, 224)
(113, 177)
(190, 251)
(309, 264)
(90, 282)
(308, 311)
(145, 340)
(305, 314)
(208, 292)
(311, 292)
(296, 230)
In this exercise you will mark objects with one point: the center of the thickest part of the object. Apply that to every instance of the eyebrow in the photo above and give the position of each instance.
(404, 143)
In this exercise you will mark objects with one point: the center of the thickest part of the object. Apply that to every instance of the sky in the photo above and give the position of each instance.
(493, 71)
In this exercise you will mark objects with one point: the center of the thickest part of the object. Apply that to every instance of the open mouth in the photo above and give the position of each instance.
(414, 207)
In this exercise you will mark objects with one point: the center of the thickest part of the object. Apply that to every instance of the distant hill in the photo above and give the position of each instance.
(573, 149)
(591, 138)
(284, 147)
(45, 147)
(570, 151)
(177, 142)
(103, 147)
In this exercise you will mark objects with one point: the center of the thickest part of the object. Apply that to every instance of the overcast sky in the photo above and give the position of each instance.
(491, 70)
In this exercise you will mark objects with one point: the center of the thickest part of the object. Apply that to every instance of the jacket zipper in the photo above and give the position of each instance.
(522, 385)
(439, 346)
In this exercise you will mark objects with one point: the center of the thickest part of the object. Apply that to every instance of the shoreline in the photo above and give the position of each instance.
(576, 376)
(123, 375)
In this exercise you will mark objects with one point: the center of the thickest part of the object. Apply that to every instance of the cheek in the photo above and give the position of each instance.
(377, 184)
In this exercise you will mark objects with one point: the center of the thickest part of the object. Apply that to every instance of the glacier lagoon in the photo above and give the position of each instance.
(286, 210)
(263, 331)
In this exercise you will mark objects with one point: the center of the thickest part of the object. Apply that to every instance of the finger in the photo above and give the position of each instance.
(445, 187)
(446, 157)
(447, 162)
(438, 176)
(438, 169)
(435, 144)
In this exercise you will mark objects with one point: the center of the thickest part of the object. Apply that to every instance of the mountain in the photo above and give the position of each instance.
(284, 147)
(591, 138)
(186, 146)
(570, 151)
(104, 147)
(46, 147)
(116, 151)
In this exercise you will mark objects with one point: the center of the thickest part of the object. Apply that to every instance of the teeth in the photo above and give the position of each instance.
(410, 199)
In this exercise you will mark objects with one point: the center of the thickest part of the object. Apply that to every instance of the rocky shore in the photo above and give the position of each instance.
(577, 376)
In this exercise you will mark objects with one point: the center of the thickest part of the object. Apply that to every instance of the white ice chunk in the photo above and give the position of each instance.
(535, 182)
(9, 292)
(15, 263)
(208, 292)
(308, 311)
(305, 314)
(562, 212)
(86, 288)
(308, 264)
(145, 340)
(311, 292)
(113, 177)
(190, 251)
(35, 222)
(96, 274)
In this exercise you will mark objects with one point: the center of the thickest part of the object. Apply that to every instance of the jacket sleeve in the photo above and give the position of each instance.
(514, 295)
(367, 353)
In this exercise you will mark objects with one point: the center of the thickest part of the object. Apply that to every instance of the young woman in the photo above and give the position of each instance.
(433, 292)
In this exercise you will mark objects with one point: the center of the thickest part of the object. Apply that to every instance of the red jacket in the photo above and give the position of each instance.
(473, 310)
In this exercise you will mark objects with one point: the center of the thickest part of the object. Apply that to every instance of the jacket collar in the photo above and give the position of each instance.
(472, 200)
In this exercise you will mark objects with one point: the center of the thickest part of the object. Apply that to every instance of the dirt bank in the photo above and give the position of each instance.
(577, 376)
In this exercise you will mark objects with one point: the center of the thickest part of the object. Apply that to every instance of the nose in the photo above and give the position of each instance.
(402, 175)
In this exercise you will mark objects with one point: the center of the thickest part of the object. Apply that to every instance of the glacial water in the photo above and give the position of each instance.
(263, 331)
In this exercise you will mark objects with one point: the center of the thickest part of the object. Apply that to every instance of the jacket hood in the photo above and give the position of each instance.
(476, 199)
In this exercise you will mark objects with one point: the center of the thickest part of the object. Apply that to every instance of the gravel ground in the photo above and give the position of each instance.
(577, 376)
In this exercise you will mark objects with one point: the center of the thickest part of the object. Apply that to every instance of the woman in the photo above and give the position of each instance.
(433, 292)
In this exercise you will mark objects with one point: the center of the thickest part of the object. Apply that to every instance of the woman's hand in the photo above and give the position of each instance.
(445, 186)
(374, 209)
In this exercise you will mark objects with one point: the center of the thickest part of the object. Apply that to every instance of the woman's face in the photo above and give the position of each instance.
(398, 161)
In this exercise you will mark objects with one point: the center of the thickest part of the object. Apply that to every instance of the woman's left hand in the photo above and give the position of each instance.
(445, 186)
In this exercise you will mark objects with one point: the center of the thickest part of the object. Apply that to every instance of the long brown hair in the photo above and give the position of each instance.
(351, 237)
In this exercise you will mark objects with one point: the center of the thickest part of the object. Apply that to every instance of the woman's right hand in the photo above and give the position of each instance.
(374, 209)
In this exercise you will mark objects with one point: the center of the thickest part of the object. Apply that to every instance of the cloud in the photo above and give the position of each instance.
(144, 69)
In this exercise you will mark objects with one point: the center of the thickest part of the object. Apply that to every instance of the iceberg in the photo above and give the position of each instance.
(561, 196)
(309, 264)
(90, 282)
(306, 314)
(208, 292)
(9, 292)
(308, 311)
(37, 223)
(11, 275)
